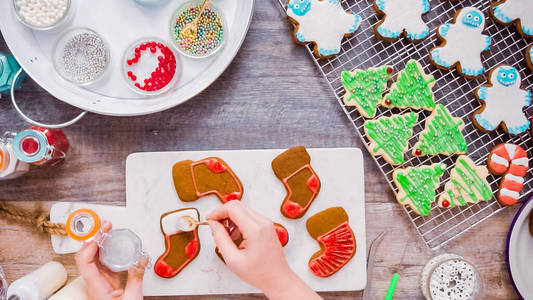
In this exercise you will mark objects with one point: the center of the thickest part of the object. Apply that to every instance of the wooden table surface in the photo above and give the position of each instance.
(271, 96)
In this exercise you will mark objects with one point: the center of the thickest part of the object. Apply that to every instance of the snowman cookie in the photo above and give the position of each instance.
(502, 102)
(322, 22)
(401, 16)
(529, 57)
(462, 43)
(519, 12)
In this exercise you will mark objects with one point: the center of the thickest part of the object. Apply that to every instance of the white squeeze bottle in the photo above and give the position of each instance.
(39, 284)
(74, 290)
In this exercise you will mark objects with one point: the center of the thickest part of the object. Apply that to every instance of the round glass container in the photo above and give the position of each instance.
(151, 2)
(82, 224)
(81, 56)
(56, 23)
(450, 276)
(120, 249)
(150, 67)
(193, 47)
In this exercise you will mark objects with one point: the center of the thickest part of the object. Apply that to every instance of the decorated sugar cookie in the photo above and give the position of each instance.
(467, 184)
(389, 136)
(529, 57)
(364, 88)
(412, 89)
(511, 161)
(462, 43)
(442, 135)
(503, 102)
(519, 12)
(416, 186)
(322, 22)
(402, 16)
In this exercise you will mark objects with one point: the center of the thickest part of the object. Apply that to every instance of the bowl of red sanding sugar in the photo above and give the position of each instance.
(151, 67)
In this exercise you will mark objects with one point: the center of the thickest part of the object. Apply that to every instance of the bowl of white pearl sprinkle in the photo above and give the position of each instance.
(42, 14)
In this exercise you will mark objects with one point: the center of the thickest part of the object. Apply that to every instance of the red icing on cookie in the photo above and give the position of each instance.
(231, 196)
(162, 269)
(313, 183)
(339, 247)
(445, 203)
(283, 235)
(215, 166)
(292, 209)
(191, 249)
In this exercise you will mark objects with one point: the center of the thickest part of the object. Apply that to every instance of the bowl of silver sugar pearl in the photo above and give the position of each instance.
(42, 14)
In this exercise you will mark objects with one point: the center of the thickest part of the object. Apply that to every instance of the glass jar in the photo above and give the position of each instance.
(48, 23)
(40, 146)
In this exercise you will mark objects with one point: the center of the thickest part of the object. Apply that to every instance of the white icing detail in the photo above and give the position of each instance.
(518, 9)
(325, 23)
(464, 44)
(171, 223)
(511, 149)
(404, 14)
(514, 178)
(524, 161)
(499, 160)
(505, 104)
(512, 194)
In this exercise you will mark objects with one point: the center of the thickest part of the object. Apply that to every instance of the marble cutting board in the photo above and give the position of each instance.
(150, 193)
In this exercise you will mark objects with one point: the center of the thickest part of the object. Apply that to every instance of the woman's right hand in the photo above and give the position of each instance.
(259, 260)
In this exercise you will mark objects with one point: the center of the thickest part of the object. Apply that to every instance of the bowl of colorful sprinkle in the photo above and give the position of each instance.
(81, 56)
(150, 67)
(209, 36)
(42, 14)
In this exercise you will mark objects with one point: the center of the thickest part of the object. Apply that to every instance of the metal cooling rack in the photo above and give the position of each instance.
(364, 50)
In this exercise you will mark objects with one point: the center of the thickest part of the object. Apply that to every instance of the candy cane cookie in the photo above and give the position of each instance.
(511, 161)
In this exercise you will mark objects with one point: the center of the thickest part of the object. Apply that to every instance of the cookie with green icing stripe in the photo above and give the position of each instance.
(412, 89)
(365, 88)
(442, 135)
(417, 185)
(467, 184)
(389, 136)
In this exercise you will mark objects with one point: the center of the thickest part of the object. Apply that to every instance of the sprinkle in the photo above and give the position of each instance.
(84, 57)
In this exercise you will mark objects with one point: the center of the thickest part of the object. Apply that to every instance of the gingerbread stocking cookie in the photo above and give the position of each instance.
(511, 161)
(503, 102)
(402, 16)
(519, 12)
(181, 247)
(330, 228)
(212, 175)
(293, 168)
(462, 43)
(324, 23)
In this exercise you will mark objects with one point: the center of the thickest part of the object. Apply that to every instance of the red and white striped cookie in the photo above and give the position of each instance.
(511, 161)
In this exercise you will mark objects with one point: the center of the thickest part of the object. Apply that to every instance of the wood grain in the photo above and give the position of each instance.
(271, 96)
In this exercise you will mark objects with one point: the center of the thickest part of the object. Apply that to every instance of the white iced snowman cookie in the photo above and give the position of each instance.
(322, 22)
(502, 102)
(402, 16)
(462, 43)
(519, 12)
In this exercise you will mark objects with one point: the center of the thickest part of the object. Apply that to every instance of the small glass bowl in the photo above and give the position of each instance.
(141, 68)
(63, 19)
(182, 8)
(59, 51)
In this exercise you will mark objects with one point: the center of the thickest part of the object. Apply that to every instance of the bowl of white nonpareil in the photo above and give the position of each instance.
(42, 14)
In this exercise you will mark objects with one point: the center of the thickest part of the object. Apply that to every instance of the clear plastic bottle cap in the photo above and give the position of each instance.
(120, 249)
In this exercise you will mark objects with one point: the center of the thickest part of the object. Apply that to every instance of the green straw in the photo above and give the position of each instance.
(392, 286)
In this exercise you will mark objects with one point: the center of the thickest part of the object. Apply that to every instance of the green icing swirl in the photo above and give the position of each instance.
(472, 182)
(392, 134)
(366, 87)
(411, 90)
(442, 134)
(419, 186)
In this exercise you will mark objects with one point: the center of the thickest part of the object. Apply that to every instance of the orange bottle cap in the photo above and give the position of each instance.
(82, 224)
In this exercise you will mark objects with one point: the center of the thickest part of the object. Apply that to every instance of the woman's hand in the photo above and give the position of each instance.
(259, 260)
(100, 282)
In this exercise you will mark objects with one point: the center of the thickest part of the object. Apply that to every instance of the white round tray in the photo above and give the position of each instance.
(121, 22)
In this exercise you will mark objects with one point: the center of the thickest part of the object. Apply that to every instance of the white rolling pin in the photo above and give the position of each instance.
(39, 284)
(74, 290)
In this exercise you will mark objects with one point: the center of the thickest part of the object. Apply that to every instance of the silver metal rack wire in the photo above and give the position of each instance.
(364, 50)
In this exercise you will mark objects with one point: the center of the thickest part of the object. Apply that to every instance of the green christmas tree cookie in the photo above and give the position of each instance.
(365, 88)
(442, 135)
(389, 136)
(416, 186)
(467, 184)
(413, 88)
